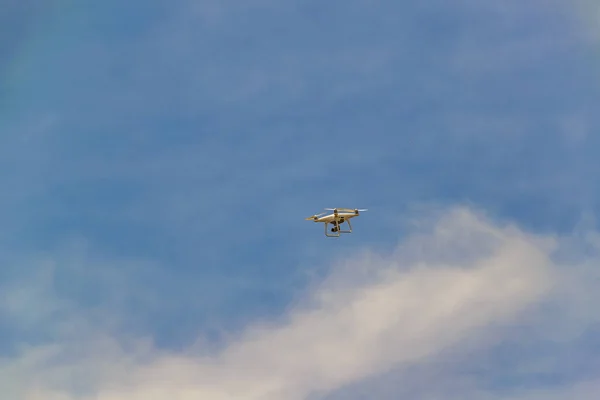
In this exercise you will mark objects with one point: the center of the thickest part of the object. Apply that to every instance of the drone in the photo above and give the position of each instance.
(337, 218)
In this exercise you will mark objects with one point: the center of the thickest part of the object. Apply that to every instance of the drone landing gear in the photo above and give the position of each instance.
(337, 230)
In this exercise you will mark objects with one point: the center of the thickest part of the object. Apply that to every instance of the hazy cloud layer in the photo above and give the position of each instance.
(457, 288)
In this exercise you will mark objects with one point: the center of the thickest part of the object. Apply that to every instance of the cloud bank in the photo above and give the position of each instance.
(459, 285)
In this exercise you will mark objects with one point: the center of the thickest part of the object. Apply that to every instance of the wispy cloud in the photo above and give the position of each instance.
(589, 14)
(459, 286)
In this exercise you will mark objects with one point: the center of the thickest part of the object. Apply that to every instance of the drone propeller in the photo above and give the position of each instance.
(314, 216)
(335, 210)
(347, 209)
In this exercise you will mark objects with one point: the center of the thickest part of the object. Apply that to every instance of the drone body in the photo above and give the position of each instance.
(337, 218)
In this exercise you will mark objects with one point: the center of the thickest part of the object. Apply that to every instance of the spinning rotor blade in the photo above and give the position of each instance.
(347, 209)
(335, 211)
(314, 216)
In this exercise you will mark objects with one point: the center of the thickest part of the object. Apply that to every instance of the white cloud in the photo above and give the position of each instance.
(589, 14)
(448, 288)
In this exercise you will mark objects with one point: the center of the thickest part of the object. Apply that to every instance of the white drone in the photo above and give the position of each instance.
(337, 218)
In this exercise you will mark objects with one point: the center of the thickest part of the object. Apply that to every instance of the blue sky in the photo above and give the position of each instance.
(159, 159)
